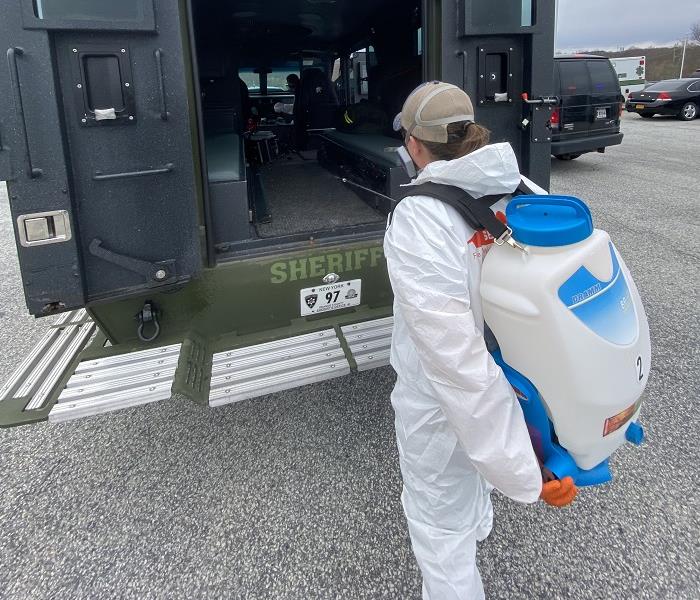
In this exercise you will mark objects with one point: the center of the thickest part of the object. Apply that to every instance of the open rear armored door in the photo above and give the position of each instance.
(496, 50)
(96, 136)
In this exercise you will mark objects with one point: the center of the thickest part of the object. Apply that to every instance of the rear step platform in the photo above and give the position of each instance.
(123, 381)
(68, 376)
(275, 366)
(28, 391)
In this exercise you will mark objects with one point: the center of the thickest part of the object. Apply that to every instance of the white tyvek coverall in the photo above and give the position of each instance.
(459, 428)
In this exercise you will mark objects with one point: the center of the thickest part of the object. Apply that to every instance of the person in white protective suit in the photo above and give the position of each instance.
(459, 428)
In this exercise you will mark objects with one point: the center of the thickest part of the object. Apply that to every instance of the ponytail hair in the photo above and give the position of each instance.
(463, 138)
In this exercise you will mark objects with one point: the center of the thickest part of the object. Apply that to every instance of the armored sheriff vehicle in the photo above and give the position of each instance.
(200, 222)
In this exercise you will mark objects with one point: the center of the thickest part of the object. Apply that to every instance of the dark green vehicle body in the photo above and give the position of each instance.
(120, 201)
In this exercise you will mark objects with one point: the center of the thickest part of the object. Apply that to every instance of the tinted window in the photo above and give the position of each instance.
(603, 79)
(574, 77)
(90, 10)
(509, 13)
(667, 86)
(695, 87)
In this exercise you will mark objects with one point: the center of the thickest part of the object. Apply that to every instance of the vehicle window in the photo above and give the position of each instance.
(251, 79)
(337, 66)
(603, 77)
(666, 86)
(574, 77)
(277, 79)
(694, 87)
(516, 14)
(90, 10)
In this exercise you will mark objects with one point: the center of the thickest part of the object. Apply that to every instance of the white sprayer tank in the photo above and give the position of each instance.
(568, 316)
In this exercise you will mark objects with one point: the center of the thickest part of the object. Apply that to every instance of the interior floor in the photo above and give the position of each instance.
(302, 196)
(291, 97)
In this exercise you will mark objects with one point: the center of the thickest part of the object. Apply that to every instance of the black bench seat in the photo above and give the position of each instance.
(380, 149)
(368, 159)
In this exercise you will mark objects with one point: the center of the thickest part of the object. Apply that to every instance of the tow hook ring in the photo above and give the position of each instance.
(147, 315)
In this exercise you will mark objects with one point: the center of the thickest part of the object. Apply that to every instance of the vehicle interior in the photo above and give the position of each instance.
(296, 97)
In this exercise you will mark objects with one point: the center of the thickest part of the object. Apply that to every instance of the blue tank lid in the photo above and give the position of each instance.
(549, 220)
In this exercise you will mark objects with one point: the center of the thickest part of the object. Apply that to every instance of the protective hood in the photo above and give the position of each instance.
(492, 169)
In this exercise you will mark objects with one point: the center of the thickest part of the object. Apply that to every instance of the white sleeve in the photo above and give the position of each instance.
(427, 266)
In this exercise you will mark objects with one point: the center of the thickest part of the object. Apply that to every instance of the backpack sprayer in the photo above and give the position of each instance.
(572, 333)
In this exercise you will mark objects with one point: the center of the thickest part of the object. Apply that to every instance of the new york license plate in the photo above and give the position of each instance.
(334, 296)
(601, 113)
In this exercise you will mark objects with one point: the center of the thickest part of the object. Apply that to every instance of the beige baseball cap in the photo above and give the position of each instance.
(430, 108)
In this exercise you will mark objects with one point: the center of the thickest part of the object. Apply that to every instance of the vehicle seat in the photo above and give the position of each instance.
(222, 105)
(315, 106)
(390, 86)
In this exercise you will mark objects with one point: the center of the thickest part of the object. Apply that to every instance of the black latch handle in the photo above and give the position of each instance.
(549, 100)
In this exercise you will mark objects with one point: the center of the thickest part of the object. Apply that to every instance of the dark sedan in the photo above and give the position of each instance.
(677, 97)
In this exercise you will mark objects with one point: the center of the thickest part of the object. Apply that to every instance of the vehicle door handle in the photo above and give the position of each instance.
(157, 272)
(12, 55)
(551, 100)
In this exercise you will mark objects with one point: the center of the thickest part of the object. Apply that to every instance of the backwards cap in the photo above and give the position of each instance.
(430, 108)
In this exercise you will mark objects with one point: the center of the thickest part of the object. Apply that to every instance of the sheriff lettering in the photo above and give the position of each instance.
(315, 267)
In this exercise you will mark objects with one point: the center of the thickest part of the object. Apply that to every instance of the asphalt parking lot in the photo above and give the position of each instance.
(296, 495)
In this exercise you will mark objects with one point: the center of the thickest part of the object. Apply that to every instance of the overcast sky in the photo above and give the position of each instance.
(603, 24)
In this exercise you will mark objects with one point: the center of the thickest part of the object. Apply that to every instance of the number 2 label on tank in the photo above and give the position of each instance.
(327, 298)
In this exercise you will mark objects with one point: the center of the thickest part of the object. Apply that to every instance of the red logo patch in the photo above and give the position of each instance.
(484, 238)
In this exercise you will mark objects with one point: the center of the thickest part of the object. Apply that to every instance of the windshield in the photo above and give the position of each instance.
(667, 86)
(251, 79)
(277, 82)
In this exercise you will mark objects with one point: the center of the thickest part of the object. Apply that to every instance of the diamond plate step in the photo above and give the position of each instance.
(275, 366)
(370, 342)
(46, 364)
(106, 384)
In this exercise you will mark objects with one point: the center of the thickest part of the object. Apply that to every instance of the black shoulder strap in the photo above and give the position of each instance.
(475, 211)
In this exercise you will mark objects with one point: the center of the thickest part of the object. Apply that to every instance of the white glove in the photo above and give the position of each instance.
(287, 109)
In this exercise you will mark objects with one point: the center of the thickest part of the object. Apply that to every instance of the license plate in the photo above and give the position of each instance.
(601, 113)
(639, 106)
(327, 298)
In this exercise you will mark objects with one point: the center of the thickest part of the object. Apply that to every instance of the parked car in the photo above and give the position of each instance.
(587, 117)
(677, 97)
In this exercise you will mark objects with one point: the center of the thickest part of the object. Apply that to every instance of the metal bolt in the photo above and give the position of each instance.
(481, 76)
(131, 118)
(161, 274)
(80, 86)
(510, 74)
(481, 101)
(536, 140)
(511, 49)
(84, 120)
(127, 84)
(549, 139)
(123, 50)
(75, 49)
